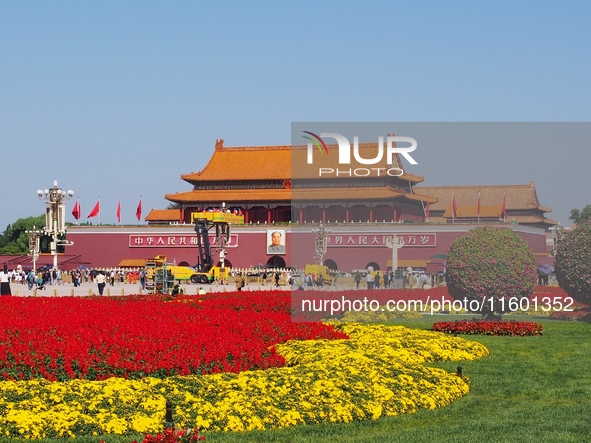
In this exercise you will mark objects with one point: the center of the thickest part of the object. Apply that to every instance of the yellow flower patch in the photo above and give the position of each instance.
(380, 371)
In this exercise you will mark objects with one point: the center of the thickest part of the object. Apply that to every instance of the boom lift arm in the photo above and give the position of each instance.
(204, 221)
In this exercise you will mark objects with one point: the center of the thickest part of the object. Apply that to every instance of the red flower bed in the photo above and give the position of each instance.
(99, 337)
(172, 436)
(555, 301)
(489, 327)
(554, 295)
(577, 314)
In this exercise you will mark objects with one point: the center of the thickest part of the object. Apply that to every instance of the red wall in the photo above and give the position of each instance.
(107, 246)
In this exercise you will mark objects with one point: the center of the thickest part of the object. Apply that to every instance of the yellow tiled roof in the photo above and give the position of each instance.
(533, 219)
(517, 196)
(216, 196)
(280, 163)
(164, 215)
(472, 211)
(132, 263)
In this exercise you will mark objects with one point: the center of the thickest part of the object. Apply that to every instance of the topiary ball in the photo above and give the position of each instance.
(490, 266)
(572, 263)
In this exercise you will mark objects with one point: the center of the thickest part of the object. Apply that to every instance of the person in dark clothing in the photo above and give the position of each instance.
(357, 279)
(5, 281)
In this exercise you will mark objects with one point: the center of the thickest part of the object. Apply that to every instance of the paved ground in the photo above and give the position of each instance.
(86, 289)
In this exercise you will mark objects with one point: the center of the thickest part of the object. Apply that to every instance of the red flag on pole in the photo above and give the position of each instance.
(76, 211)
(95, 211)
(454, 205)
(119, 212)
(478, 206)
(138, 211)
(504, 209)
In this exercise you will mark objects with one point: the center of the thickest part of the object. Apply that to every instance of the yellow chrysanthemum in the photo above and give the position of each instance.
(379, 371)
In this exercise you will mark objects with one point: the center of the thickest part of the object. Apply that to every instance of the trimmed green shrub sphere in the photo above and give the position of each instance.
(490, 262)
(572, 263)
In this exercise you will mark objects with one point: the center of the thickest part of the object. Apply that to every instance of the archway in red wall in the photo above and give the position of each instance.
(276, 261)
(331, 264)
(373, 265)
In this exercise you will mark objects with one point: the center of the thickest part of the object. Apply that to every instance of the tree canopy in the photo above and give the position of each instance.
(15, 240)
(491, 266)
(573, 263)
(580, 217)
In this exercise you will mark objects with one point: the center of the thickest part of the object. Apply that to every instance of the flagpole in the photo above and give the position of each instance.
(478, 206)
(99, 212)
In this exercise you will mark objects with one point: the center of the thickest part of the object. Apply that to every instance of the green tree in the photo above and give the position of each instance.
(580, 217)
(572, 263)
(490, 266)
(15, 240)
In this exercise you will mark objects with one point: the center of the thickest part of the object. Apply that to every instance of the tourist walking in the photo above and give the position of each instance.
(100, 280)
(369, 280)
(240, 282)
(5, 281)
(31, 279)
(143, 279)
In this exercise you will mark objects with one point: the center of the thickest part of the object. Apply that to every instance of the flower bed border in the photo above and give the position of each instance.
(484, 327)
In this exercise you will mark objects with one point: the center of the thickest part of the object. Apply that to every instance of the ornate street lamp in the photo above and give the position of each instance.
(321, 236)
(34, 245)
(394, 243)
(55, 220)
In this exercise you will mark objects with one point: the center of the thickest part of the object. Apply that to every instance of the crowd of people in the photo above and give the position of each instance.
(276, 278)
(41, 279)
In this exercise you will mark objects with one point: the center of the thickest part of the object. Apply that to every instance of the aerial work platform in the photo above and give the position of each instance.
(218, 217)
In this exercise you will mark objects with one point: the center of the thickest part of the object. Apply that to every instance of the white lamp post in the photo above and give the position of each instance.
(394, 243)
(34, 245)
(321, 241)
(55, 220)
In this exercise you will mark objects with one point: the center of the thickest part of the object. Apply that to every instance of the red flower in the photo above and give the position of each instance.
(96, 338)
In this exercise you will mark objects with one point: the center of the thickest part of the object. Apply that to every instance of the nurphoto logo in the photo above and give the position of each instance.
(344, 147)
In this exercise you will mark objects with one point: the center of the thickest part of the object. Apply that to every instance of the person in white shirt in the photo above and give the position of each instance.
(100, 280)
(5, 281)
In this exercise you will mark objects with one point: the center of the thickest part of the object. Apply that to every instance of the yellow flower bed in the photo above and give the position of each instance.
(379, 371)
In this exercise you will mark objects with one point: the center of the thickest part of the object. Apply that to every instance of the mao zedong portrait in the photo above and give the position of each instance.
(277, 243)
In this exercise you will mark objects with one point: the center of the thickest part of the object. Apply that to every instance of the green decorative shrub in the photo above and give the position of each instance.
(492, 268)
(572, 263)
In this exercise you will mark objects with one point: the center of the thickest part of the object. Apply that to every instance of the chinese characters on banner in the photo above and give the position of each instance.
(334, 240)
(380, 240)
(181, 241)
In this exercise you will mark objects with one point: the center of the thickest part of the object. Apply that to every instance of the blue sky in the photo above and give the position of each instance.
(117, 99)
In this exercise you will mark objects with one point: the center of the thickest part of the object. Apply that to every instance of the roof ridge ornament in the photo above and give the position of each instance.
(219, 144)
